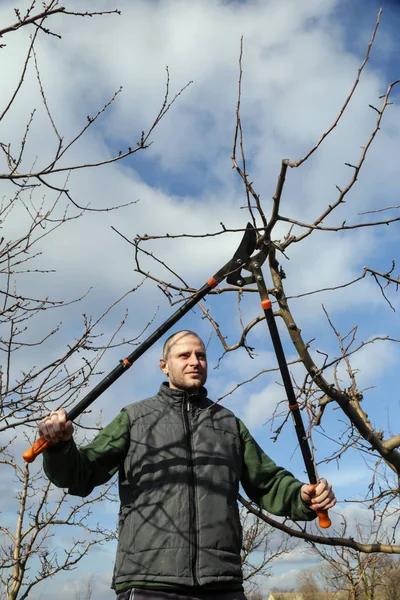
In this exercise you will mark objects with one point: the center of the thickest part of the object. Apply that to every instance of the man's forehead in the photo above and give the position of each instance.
(182, 339)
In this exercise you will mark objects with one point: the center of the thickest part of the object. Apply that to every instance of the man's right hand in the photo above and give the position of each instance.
(55, 427)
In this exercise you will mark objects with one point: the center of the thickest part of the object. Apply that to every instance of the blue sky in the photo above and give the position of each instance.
(300, 60)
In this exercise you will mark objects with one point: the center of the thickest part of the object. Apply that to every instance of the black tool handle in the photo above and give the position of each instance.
(245, 248)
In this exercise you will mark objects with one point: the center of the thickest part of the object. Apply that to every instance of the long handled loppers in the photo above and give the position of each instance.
(253, 265)
(231, 271)
(245, 249)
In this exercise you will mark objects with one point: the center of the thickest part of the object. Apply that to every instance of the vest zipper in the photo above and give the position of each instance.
(193, 538)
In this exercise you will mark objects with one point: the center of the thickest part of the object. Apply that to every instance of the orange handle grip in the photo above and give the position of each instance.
(323, 519)
(36, 449)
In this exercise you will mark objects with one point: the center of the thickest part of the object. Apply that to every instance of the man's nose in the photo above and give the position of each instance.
(194, 360)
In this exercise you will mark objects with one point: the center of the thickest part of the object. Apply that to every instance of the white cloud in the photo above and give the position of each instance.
(284, 581)
(299, 555)
(259, 408)
(347, 476)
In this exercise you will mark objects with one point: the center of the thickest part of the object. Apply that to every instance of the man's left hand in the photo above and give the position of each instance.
(320, 497)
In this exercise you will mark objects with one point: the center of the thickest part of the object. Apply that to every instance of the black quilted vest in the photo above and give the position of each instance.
(179, 520)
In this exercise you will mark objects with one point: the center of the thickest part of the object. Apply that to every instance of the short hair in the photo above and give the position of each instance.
(169, 340)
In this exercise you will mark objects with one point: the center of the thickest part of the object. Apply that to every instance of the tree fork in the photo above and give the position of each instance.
(349, 404)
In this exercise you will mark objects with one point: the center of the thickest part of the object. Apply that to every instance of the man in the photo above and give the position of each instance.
(181, 459)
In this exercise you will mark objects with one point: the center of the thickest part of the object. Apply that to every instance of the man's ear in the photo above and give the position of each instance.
(164, 366)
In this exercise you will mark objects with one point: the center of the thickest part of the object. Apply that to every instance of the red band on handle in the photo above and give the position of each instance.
(266, 304)
(126, 363)
(212, 282)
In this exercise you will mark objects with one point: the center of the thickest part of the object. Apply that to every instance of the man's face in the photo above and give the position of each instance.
(186, 363)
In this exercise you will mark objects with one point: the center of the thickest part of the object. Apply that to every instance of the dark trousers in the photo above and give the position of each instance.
(149, 594)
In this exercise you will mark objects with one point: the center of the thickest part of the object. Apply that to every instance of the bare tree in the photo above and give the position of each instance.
(308, 587)
(360, 576)
(87, 592)
(19, 170)
(390, 586)
(261, 546)
(31, 541)
(326, 381)
(36, 203)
